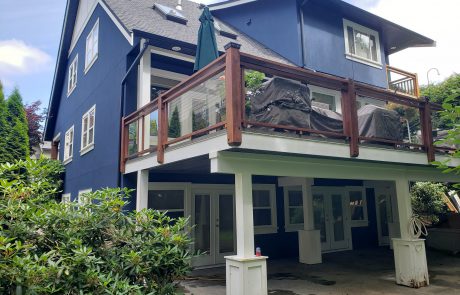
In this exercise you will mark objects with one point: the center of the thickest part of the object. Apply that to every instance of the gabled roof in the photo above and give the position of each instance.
(395, 37)
(139, 15)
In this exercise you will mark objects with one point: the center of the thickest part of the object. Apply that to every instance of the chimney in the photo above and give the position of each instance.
(179, 5)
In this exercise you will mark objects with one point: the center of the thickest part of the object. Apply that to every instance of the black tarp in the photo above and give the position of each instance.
(377, 122)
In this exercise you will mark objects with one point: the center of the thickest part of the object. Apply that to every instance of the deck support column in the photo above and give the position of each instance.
(143, 96)
(309, 237)
(142, 189)
(409, 252)
(246, 274)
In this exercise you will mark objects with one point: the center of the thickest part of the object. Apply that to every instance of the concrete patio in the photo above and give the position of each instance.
(352, 272)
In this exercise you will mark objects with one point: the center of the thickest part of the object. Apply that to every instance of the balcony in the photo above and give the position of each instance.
(241, 94)
(403, 82)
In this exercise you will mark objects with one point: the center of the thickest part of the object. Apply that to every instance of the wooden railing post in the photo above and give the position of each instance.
(350, 117)
(162, 130)
(427, 129)
(233, 94)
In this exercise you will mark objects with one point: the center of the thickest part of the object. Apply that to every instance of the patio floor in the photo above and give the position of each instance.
(365, 272)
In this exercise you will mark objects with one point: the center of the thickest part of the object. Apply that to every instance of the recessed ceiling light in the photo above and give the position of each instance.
(176, 48)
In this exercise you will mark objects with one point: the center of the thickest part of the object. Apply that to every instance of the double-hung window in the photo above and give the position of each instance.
(264, 208)
(171, 201)
(82, 196)
(358, 207)
(92, 46)
(293, 204)
(87, 130)
(73, 71)
(68, 145)
(362, 44)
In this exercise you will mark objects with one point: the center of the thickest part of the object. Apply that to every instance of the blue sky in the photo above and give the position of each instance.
(30, 33)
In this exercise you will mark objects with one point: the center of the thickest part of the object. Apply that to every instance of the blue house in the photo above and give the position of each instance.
(296, 140)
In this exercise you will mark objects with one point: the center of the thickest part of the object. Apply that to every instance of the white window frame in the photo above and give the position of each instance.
(66, 198)
(273, 227)
(288, 227)
(365, 221)
(88, 146)
(68, 154)
(355, 57)
(73, 76)
(90, 45)
(174, 186)
(336, 94)
(81, 199)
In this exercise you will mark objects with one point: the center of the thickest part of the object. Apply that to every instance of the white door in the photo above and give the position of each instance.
(213, 214)
(384, 214)
(331, 218)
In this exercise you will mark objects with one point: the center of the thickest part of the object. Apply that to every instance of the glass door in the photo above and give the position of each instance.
(225, 226)
(203, 229)
(384, 215)
(338, 221)
(319, 218)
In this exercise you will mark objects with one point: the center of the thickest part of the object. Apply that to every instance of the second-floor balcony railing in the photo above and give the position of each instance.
(239, 92)
(402, 81)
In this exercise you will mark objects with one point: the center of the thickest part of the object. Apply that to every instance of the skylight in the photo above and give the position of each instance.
(171, 13)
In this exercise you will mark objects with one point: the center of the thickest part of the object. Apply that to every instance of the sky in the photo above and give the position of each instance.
(30, 33)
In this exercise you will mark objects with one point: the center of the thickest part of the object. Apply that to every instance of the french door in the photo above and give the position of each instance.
(213, 214)
(331, 218)
(384, 214)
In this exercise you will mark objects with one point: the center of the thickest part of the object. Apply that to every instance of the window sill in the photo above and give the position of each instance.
(265, 229)
(293, 227)
(87, 149)
(88, 67)
(359, 223)
(67, 161)
(364, 61)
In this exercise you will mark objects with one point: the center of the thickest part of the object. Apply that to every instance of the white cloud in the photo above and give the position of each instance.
(437, 20)
(17, 58)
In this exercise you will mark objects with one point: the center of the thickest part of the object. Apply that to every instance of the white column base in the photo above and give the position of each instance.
(246, 276)
(310, 247)
(410, 263)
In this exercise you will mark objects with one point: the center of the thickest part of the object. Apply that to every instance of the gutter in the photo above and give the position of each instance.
(302, 34)
(123, 100)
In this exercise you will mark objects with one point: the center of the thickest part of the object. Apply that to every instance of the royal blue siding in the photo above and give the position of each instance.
(273, 23)
(324, 45)
(100, 86)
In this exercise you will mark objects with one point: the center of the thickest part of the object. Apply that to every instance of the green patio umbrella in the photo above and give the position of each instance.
(206, 50)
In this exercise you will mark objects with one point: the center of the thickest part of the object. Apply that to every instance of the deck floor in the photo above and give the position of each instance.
(366, 272)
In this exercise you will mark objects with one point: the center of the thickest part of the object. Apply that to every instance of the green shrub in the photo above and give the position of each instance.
(427, 200)
(95, 247)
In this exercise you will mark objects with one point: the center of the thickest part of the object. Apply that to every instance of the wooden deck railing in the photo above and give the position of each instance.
(402, 81)
(230, 69)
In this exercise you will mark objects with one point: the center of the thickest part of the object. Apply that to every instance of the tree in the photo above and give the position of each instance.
(18, 139)
(93, 247)
(427, 200)
(174, 124)
(4, 129)
(35, 118)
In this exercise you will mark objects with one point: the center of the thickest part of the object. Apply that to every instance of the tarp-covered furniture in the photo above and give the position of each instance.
(377, 122)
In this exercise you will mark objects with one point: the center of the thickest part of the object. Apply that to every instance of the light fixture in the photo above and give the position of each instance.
(176, 48)
(393, 48)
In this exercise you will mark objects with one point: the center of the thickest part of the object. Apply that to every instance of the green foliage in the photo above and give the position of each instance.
(199, 121)
(438, 94)
(410, 114)
(17, 146)
(174, 124)
(153, 128)
(252, 80)
(4, 128)
(49, 247)
(427, 200)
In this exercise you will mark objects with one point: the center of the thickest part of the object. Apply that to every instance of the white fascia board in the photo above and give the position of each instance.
(172, 54)
(218, 6)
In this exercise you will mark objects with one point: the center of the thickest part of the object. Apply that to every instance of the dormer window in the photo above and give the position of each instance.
(362, 44)
(170, 14)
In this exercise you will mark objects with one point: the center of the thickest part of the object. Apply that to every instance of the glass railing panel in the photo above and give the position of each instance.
(133, 138)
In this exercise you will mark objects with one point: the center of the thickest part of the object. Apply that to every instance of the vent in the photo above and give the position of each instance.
(224, 31)
(170, 14)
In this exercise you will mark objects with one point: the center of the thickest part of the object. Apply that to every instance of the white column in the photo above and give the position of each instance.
(143, 92)
(309, 238)
(246, 274)
(409, 252)
(142, 190)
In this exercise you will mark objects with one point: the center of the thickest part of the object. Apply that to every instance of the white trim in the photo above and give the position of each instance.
(91, 34)
(128, 35)
(89, 146)
(73, 69)
(229, 4)
(365, 221)
(336, 94)
(174, 186)
(68, 158)
(173, 54)
(57, 137)
(273, 227)
(288, 227)
(168, 75)
(66, 198)
(78, 35)
(355, 57)
(80, 193)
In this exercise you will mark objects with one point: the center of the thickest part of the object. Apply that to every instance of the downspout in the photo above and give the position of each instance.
(123, 101)
(302, 34)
